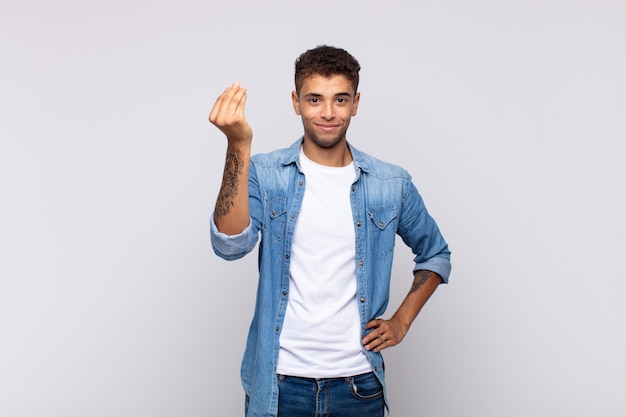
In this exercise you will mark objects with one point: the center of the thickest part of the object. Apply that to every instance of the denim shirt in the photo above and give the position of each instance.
(384, 203)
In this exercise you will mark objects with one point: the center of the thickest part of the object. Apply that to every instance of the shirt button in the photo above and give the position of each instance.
(353, 189)
(360, 263)
(284, 293)
(381, 224)
(286, 256)
(293, 216)
(358, 224)
(300, 183)
(273, 213)
(277, 328)
(362, 300)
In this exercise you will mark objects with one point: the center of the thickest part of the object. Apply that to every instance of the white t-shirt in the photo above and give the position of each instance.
(321, 335)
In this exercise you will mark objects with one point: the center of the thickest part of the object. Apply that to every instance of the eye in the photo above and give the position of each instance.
(314, 100)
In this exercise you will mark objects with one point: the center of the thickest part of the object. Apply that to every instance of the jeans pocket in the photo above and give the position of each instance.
(366, 387)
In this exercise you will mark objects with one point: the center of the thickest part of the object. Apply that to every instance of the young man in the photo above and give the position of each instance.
(328, 215)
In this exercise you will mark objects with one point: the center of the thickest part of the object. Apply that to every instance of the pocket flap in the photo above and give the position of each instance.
(382, 217)
(278, 207)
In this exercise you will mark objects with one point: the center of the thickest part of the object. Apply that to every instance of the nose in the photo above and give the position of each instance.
(327, 112)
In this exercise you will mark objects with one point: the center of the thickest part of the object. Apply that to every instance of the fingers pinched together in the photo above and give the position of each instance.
(228, 114)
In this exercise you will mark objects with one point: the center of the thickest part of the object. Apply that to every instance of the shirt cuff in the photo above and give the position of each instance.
(230, 247)
(439, 265)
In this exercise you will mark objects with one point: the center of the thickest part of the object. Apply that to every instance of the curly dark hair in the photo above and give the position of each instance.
(326, 61)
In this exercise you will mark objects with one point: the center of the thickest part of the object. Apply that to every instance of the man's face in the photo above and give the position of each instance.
(326, 106)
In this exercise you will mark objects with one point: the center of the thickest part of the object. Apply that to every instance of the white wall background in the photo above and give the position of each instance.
(511, 116)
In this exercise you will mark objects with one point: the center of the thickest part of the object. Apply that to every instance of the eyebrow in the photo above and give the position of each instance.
(320, 95)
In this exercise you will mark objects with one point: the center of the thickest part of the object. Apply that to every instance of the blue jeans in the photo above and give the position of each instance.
(355, 396)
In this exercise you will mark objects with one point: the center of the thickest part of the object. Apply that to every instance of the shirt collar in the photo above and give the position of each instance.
(293, 152)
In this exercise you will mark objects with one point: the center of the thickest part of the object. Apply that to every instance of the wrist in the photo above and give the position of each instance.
(240, 146)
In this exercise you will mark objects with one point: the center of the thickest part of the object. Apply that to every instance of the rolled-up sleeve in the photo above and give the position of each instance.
(231, 247)
(440, 265)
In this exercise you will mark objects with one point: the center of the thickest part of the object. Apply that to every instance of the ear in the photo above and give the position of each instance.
(296, 103)
(357, 98)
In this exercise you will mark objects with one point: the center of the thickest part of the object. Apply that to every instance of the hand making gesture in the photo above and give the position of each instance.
(228, 115)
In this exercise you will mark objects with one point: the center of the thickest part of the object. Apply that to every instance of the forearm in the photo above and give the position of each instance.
(424, 285)
(232, 211)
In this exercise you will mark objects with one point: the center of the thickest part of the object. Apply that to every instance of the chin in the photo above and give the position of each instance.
(326, 143)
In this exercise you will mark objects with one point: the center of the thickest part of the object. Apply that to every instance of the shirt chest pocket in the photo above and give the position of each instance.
(277, 218)
(382, 230)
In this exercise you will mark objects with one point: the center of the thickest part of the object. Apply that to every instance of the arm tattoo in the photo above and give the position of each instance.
(232, 170)
(421, 277)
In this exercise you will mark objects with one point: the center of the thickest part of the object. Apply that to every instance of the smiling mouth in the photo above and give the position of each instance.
(328, 127)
